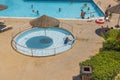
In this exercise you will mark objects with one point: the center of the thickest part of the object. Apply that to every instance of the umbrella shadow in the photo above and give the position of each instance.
(100, 30)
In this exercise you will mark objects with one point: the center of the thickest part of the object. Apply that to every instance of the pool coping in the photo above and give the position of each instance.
(56, 18)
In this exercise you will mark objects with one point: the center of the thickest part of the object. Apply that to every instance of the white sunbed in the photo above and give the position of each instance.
(6, 28)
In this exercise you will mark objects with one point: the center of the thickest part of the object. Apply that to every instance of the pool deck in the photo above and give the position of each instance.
(15, 66)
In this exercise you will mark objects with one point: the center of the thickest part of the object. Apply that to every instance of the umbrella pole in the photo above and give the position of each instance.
(118, 20)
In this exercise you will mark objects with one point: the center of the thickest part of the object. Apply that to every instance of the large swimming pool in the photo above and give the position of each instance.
(53, 8)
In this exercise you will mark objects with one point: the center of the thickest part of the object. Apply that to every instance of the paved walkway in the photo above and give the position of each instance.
(15, 66)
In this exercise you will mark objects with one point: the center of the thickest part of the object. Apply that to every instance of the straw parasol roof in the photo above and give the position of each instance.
(45, 21)
(115, 9)
(2, 7)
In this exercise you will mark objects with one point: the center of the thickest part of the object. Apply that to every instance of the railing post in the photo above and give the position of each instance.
(19, 29)
(15, 44)
(31, 52)
(42, 52)
(54, 51)
(45, 32)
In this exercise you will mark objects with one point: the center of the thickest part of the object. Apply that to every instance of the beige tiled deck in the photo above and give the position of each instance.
(15, 66)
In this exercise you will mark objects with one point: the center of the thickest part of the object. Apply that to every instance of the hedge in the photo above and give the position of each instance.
(106, 64)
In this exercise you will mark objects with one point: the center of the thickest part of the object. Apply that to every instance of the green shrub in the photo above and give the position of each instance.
(105, 65)
(112, 35)
(111, 45)
(111, 42)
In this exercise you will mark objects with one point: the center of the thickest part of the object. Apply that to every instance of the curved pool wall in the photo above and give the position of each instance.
(15, 7)
(57, 35)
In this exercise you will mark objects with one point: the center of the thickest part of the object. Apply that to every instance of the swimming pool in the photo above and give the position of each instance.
(43, 41)
(54, 8)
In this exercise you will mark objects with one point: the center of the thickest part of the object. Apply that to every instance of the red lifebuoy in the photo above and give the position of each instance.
(100, 21)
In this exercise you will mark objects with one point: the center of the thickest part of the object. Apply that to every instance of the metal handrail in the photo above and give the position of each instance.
(23, 28)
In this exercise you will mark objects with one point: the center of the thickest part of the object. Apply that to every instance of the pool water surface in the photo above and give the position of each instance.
(54, 8)
(39, 42)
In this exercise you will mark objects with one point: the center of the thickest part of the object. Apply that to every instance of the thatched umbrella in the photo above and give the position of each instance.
(2, 7)
(45, 21)
(115, 9)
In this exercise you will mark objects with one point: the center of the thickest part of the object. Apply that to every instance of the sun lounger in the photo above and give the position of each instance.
(2, 26)
(6, 28)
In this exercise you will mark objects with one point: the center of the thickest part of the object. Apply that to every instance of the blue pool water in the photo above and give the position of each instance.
(53, 8)
(43, 42)
(39, 42)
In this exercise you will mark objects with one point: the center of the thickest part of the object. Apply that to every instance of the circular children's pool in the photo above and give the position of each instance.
(43, 41)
